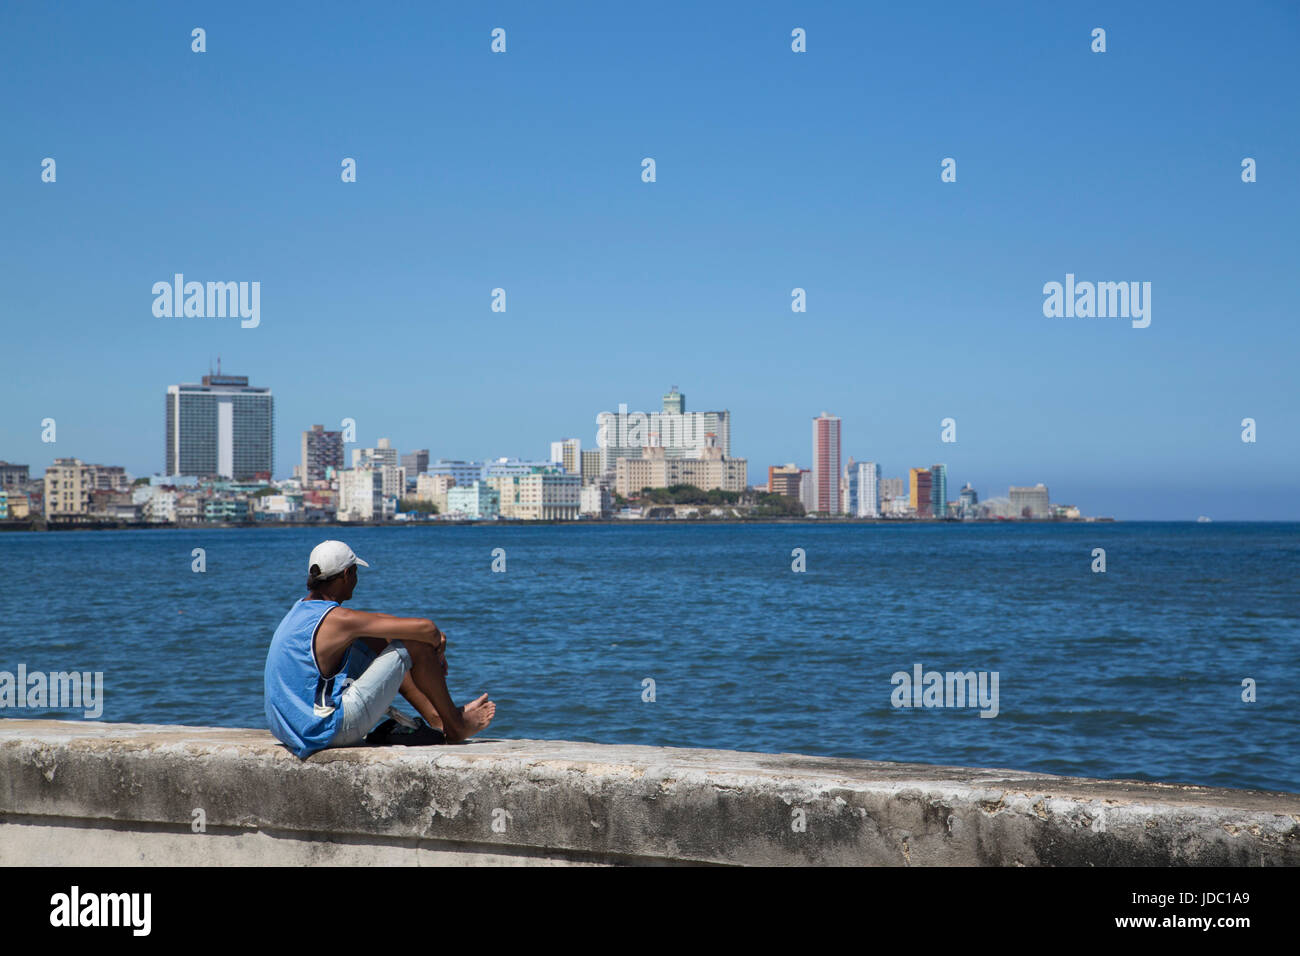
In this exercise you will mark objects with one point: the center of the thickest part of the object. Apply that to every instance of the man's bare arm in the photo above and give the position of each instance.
(342, 626)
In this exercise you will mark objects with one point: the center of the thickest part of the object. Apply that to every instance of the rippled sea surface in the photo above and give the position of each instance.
(1136, 672)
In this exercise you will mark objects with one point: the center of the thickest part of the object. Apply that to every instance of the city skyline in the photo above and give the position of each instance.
(776, 171)
(924, 487)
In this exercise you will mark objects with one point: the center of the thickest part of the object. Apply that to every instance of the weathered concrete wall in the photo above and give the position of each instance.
(95, 793)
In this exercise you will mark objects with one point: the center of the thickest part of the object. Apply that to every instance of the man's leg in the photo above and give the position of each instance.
(417, 698)
(426, 684)
(367, 698)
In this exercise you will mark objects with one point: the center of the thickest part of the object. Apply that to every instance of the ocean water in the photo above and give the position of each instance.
(1133, 673)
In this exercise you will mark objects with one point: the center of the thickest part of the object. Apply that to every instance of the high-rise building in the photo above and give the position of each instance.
(674, 402)
(919, 492)
(868, 490)
(321, 450)
(681, 434)
(849, 489)
(567, 453)
(222, 427)
(415, 463)
(383, 459)
(939, 491)
(967, 502)
(807, 491)
(591, 471)
(383, 454)
(784, 480)
(1029, 502)
(826, 463)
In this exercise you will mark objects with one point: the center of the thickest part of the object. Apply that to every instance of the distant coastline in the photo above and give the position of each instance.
(29, 525)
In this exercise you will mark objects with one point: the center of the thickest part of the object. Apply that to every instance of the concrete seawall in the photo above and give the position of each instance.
(95, 793)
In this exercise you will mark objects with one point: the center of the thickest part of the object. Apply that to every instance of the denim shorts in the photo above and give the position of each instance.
(369, 689)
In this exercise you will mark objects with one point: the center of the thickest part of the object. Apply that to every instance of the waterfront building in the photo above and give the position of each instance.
(277, 508)
(16, 505)
(939, 491)
(826, 463)
(807, 493)
(361, 494)
(13, 476)
(895, 506)
(434, 488)
(595, 500)
(868, 490)
(849, 489)
(549, 496)
(221, 427)
(656, 470)
(784, 480)
(70, 482)
(321, 450)
(996, 508)
(477, 500)
(1029, 502)
(967, 502)
(157, 503)
(506, 487)
(226, 509)
(919, 492)
(542, 494)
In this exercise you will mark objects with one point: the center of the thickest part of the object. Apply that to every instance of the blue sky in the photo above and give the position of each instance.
(775, 170)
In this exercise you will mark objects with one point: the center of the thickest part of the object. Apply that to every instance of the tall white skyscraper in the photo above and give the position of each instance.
(221, 427)
(868, 489)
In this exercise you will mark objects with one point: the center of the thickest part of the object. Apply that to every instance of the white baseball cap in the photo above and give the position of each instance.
(332, 557)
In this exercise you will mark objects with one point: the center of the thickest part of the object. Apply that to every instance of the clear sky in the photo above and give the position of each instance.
(775, 170)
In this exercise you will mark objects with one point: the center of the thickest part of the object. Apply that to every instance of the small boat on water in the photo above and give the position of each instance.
(1203, 520)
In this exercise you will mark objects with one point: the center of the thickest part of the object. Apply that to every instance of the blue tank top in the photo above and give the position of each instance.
(304, 708)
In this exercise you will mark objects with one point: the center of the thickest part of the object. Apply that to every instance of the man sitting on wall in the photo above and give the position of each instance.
(332, 673)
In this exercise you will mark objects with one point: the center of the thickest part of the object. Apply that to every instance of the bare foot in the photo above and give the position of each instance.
(477, 714)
